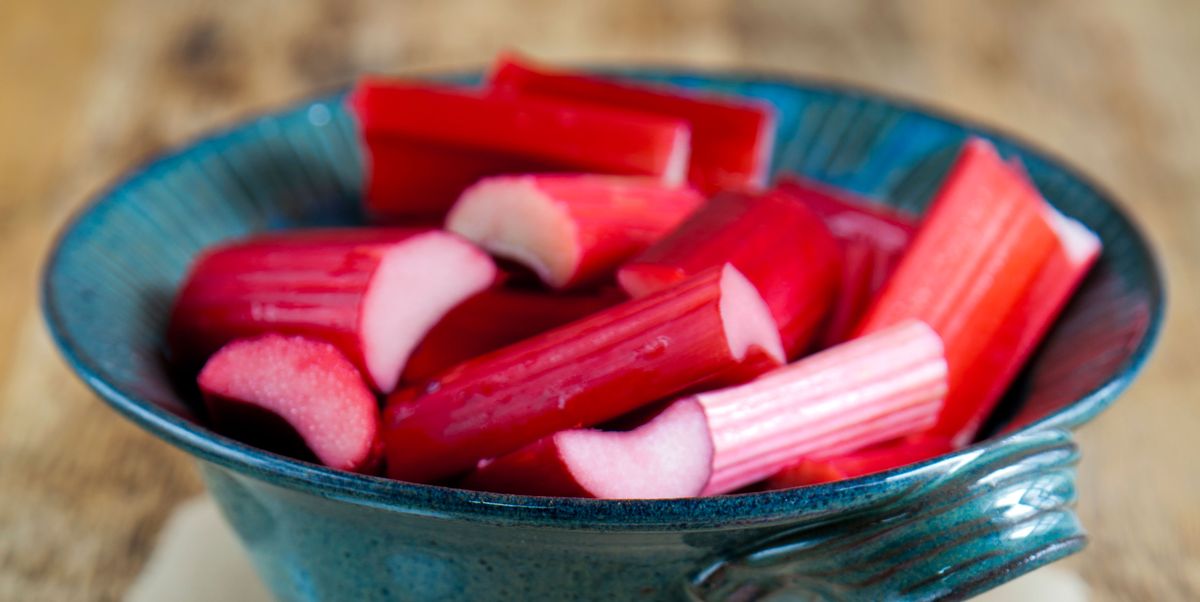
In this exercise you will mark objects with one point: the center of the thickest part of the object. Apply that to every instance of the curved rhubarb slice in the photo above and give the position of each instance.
(779, 244)
(991, 373)
(295, 396)
(569, 229)
(581, 374)
(373, 293)
(872, 389)
(878, 458)
(495, 318)
(982, 243)
(668, 457)
(425, 144)
(872, 238)
(732, 139)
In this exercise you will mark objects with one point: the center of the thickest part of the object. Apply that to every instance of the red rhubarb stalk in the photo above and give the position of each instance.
(982, 242)
(968, 406)
(425, 144)
(581, 374)
(731, 139)
(878, 458)
(296, 396)
(569, 229)
(779, 244)
(495, 318)
(872, 238)
(669, 456)
(372, 293)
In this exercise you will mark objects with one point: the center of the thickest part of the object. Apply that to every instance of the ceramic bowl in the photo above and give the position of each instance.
(944, 529)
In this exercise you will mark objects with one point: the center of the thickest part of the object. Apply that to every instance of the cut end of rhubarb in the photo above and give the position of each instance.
(668, 457)
(511, 218)
(414, 286)
(747, 319)
(307, 384)
(676, 171)
(1080, 244)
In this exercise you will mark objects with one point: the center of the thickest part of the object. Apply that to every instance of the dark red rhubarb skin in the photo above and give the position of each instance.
(780, 245)
(308, 283)
(497, 317)
(873, 239)
(982, 242)
(731, 138)
(878, 458)
(425, 144)
(535, 469)
(581, 374)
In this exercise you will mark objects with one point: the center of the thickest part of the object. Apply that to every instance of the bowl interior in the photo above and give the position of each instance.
(110, 280)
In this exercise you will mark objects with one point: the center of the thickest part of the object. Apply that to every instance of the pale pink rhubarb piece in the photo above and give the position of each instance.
(295, 396)
(668, 457)
(569, 229)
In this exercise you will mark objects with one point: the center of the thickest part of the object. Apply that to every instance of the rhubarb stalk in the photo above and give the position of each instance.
(569, 229)
(886, 456)
(581, 374)
(779, 244)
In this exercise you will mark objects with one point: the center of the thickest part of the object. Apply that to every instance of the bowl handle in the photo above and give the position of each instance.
(958, 527)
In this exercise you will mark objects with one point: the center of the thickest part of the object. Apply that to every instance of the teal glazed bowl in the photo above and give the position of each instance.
(944, 529)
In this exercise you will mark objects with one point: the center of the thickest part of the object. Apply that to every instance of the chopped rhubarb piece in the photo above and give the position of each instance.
(495, 318)
(296, 396)
(373, 293)
(732, 139)
(581, 374)
(982, 243)
(872, 238)
(668, 457)
(780, 245)
(990, 374)
(425, 144)
(872, 389)
(878, 458)
(569, 229)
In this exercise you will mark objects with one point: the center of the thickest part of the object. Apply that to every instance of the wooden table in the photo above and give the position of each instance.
(87, 88)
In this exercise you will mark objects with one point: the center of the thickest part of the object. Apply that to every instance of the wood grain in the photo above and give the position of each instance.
(87, 88)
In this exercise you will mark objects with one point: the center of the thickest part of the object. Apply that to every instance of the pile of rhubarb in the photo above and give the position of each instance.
(579, 286)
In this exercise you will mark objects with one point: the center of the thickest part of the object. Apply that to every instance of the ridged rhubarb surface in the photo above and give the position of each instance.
(372, 293)
(581, 374)
(570, 229)
(872, 389)
(731, 141)
(779, 244)
(425, 144)
(982, 242)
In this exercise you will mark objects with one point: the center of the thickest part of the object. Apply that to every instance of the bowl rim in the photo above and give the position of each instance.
(758, 508)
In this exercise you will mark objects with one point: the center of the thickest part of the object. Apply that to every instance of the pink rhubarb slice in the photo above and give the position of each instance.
(425, 144)
(732, 139)
(296, 396)
(981, 244)
(872, 238)
(779, 244)
(668, 457)
(498, 317)
(581, 374)
(372, 293)
(569, 229)
(991, 373)
(878, 458)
